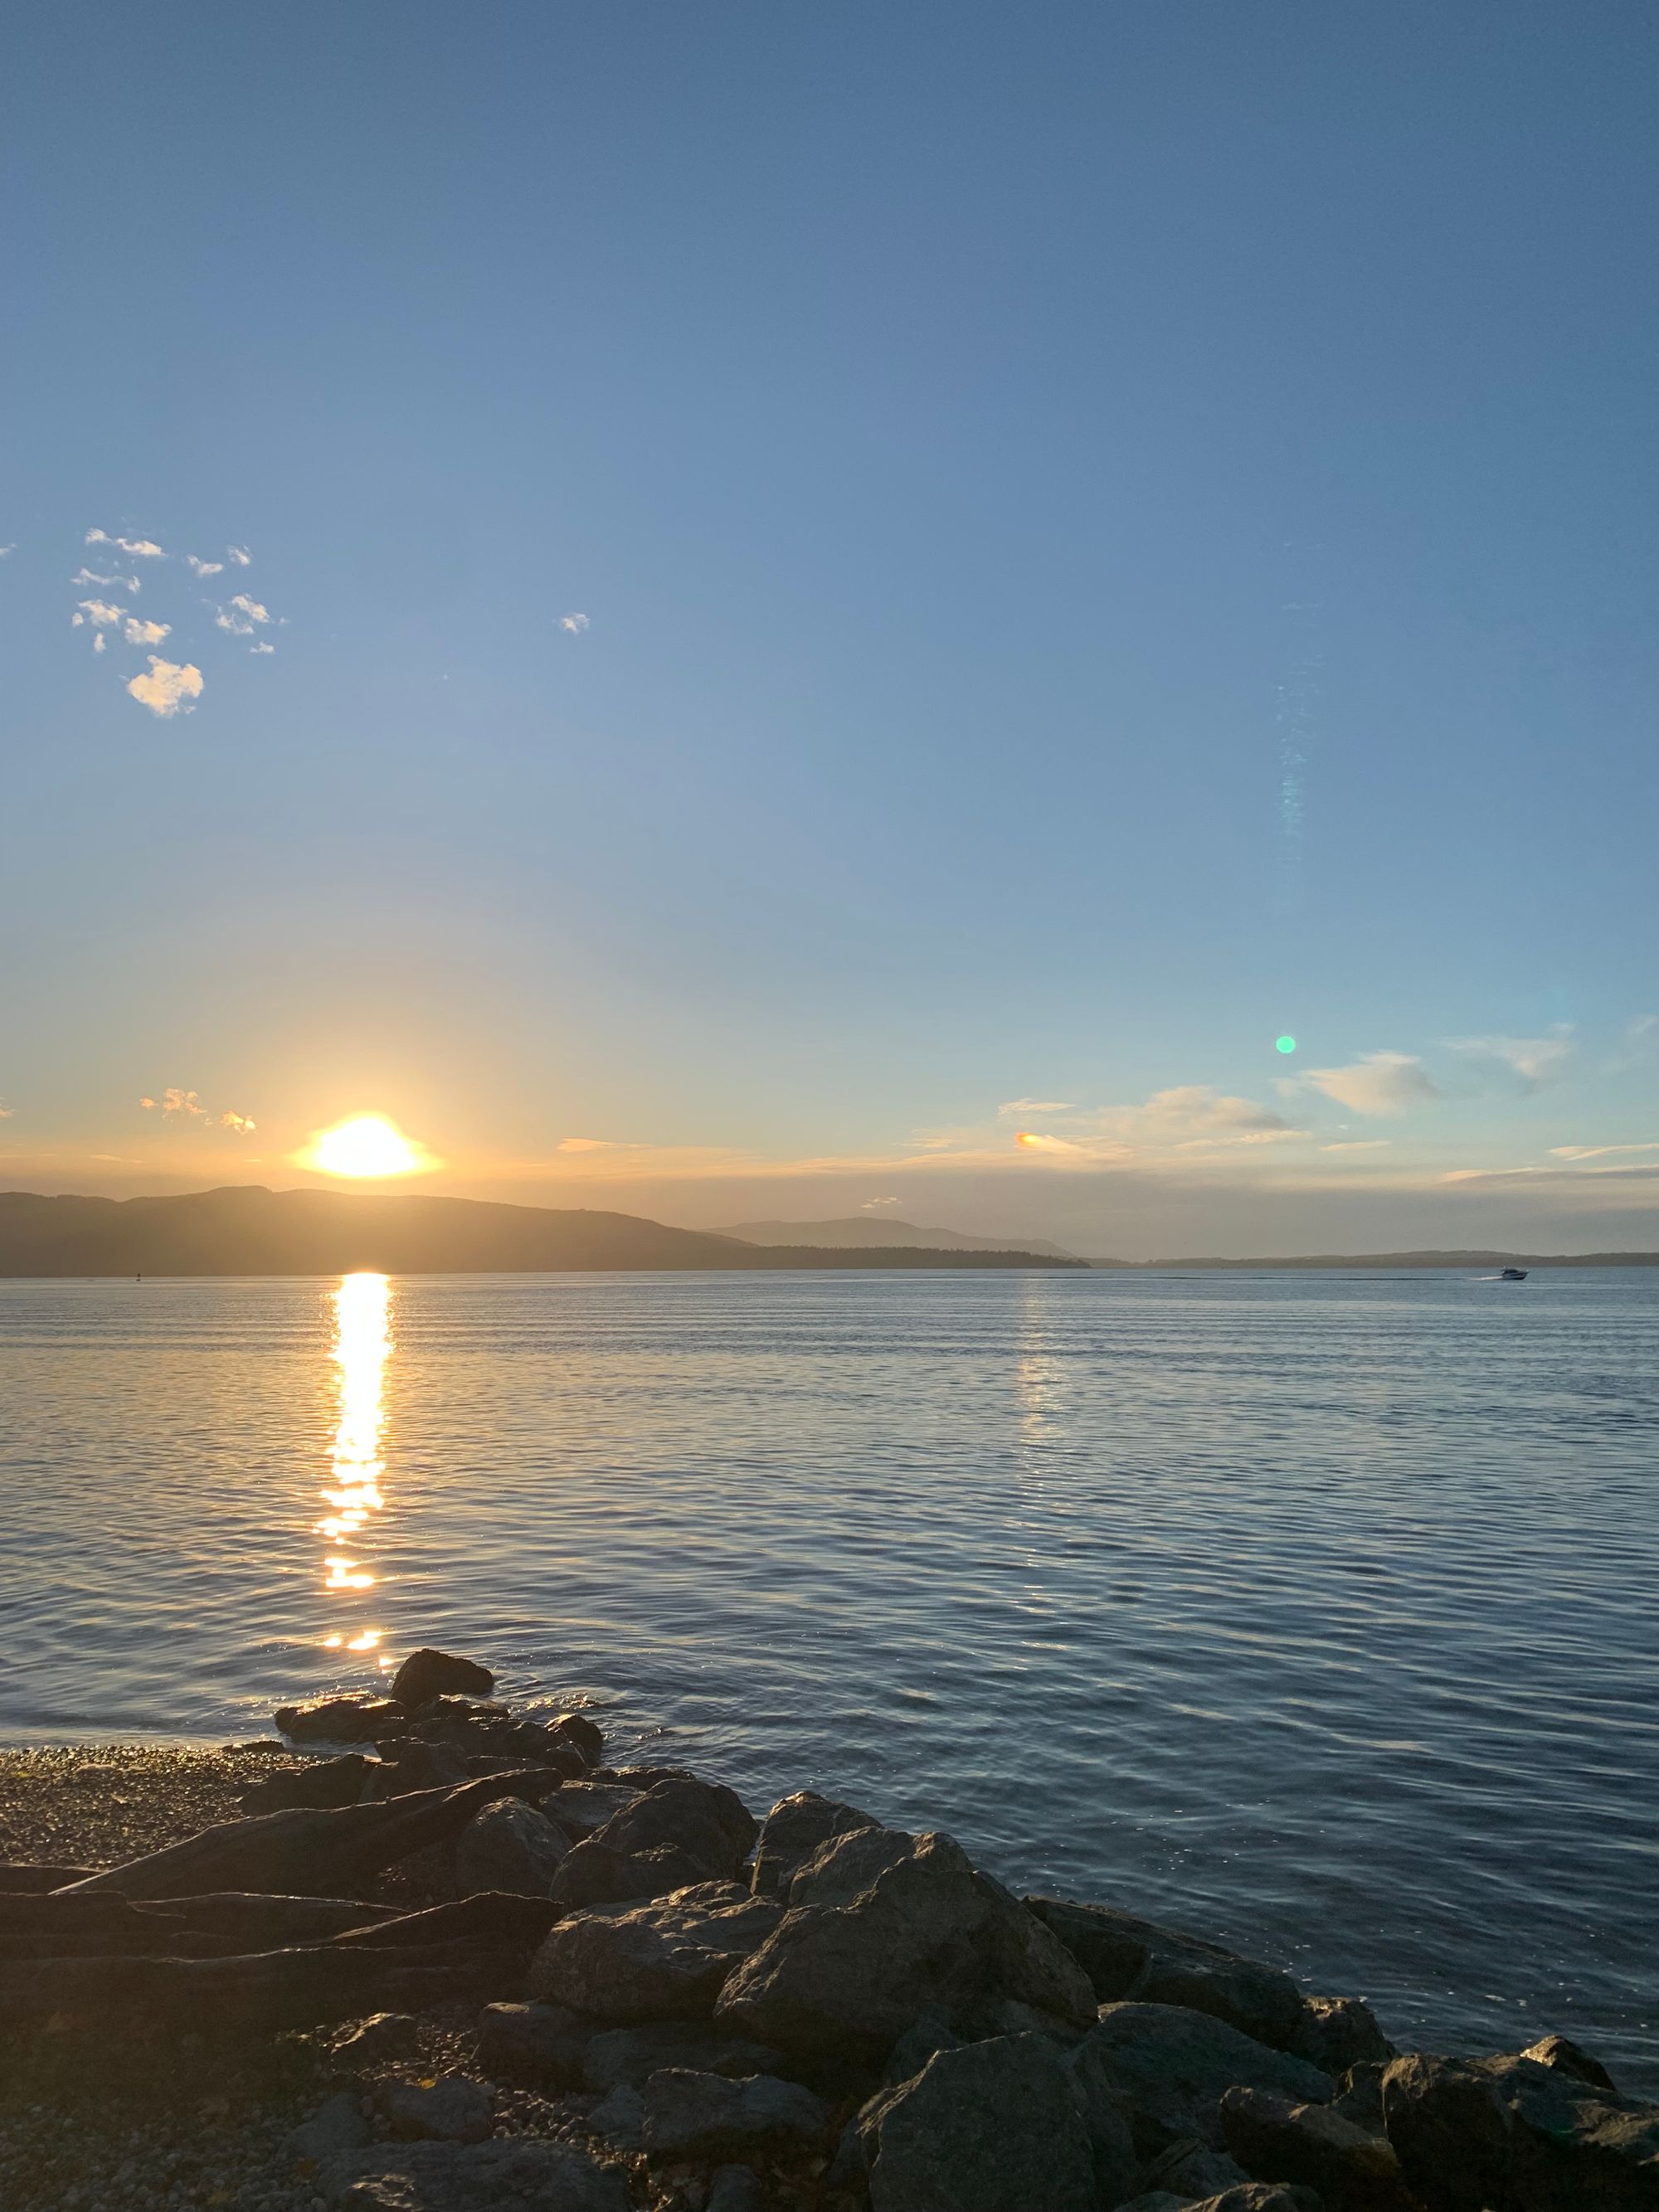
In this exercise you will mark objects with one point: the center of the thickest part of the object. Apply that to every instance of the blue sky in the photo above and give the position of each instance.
(829, 571)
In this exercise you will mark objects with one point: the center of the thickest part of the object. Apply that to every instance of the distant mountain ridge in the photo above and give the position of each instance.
(1413, 1260)
(872, 1232)
(246, 1230)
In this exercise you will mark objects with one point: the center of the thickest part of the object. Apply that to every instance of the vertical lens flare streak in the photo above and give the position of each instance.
(362, 1344)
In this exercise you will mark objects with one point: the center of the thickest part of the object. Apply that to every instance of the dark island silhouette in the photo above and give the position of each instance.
(249, 1230)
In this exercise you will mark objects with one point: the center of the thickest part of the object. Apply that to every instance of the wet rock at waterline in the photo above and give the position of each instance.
(1132, 1960)
(509, 1846)
(794, 1830)
(427, 1673)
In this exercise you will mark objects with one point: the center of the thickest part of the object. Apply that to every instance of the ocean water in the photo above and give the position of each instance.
(1314, 1613)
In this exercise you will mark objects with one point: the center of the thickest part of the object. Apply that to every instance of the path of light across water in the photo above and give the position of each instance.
(1313, 1612)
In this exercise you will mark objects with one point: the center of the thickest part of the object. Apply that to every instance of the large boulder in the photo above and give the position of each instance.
(593, 1874)
(427, 1674)
(929, 1933)
(666, 1959)
(1567, 2056)
(989, 2127)
(1334, 2033)
(1135, 1962)
(1172, 2066)
(1518, 2136)
(704, 1818)
(508, 1846)
(683, 2114)
(581, 1808)
(524, 2173)
(794, 1830)
(843, 1867)
(1274, 2140)
(619, 2057)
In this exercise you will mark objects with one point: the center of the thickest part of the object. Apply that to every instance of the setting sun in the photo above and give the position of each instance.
(368, 1145)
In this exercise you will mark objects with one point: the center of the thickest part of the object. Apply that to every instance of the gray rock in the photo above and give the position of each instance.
(508, 1846)
(1274, 2140)
(841, 1870)
(583, 1735)
(340, 1720)
(618, 2055)
(409, 1763)
(1132, 1960)
(1106, 2117)
(380, 2040)
(1361, 2097)
(794, 1830)
(912, 2050)
(593, 1874)
(991, 2127)
(453, 2110)
(516, 2174)
(351, 1779)
(1337, 2033)
(929, 1933)
(581, 1808)
(679, 2113)
(1567, 2056)
(1511, 2133)
(540, 2042)
(338, 2125)
(426, 1675)
(735, 2188)
(704, 1818)
(1174, 2065)
(1192, 2170)
(663, 1960)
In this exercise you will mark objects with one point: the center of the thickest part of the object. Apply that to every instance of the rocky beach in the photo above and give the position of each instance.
(422, 1952)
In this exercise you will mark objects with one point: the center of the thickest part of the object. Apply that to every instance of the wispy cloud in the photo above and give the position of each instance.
(145, 633)
(1376, 1083)
(1036, 1106)
(97, 611)
(597, 1145)
(263, 647)
(1534, 1061)
(1595, 1151)
(239, 555)
(168, 688)
(242, 616)
(1361, 1144)
(6, 551)
(141, 549)
(176, 1104)
(123, 583)
(868, 1205)
(200, 568)
(574, 623)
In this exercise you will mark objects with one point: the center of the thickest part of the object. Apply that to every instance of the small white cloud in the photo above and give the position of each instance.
(97, 611)
(240, 1125)
(168, 688)
(6, 551)
(1534, 1061)
(242, 616)
(142, 549)
(201, 568)
(868, 1204)
(1361, 1144)
(261, 647)
(1376, 1083)
(98, 642)
(123, 583)
(173, 1100)
(1036, 1106)
(145, 633)
(239, 555)
(574, 623)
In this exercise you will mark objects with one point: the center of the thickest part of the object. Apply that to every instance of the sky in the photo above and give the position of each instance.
(737, 611)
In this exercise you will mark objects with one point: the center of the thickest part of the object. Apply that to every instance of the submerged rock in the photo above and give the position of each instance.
(426, 1675)
(1135, 1962)
(1514, 2133)
(929, 1933)
(509, 1846)
(794, 1830)
(666, 1959)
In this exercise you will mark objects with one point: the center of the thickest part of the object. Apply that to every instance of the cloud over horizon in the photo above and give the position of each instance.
(1380, 1083)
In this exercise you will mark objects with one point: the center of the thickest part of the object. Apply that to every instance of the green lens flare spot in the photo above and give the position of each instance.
(1285, 1044)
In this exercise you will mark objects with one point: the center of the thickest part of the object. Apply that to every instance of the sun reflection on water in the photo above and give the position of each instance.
(362, 1344)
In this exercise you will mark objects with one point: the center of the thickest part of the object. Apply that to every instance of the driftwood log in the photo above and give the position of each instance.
(311, 1850)
(474, 1950)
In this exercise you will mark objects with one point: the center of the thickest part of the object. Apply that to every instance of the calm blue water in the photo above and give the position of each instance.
(1313, 1612)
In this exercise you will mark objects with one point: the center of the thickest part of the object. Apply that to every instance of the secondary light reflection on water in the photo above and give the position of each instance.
(362, 1344)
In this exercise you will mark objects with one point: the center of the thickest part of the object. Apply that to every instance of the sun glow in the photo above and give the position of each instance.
(368, 1146)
